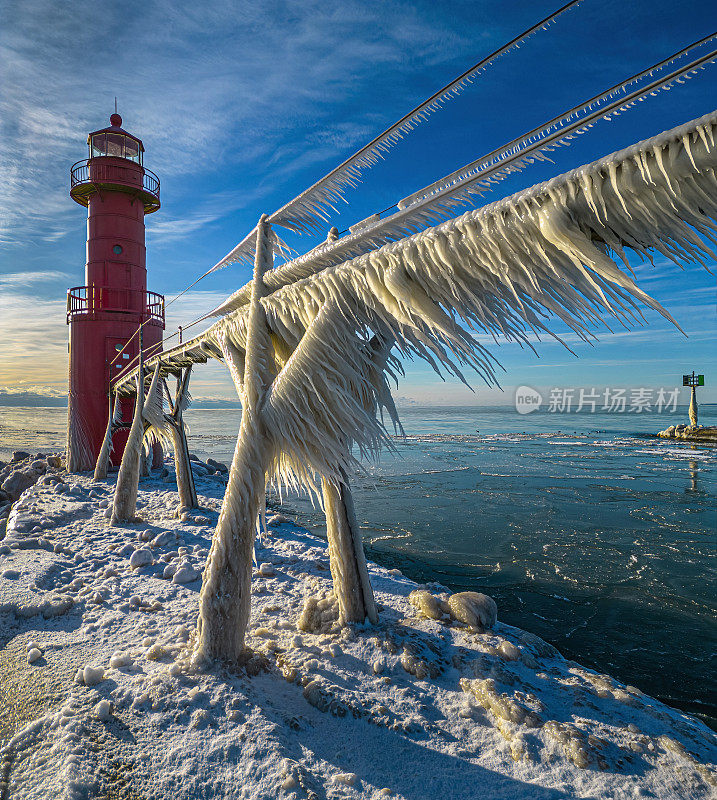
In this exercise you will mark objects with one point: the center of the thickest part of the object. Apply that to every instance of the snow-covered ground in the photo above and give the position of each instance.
(98, 698)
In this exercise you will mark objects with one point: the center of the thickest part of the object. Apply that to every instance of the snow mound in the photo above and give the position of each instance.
(475, 609)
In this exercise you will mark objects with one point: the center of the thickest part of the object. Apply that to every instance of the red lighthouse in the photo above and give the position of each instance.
(104, 314)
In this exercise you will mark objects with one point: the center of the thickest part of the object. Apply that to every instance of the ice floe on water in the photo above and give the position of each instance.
(439, 699)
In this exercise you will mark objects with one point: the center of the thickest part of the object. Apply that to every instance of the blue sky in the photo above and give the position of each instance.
(242, 105)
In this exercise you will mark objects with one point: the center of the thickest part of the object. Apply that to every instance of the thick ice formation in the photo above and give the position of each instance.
(312, 360)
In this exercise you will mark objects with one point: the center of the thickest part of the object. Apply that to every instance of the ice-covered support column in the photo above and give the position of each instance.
(349, 573)
(224, 602)
(145, 459)
(185, 478)
(103, 459)
(693, 408)
(124, 506)
(352, 586)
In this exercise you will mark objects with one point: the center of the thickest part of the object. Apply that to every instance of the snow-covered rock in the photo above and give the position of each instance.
(475, 609)
(266, 570)
(102, 710)
(185, 574)
(141, 558)
(19, 480)
(93, 674)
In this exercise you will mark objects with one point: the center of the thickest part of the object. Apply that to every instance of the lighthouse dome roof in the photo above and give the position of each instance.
(115, 126)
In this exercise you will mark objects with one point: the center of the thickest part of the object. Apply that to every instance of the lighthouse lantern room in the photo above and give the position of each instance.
(104, 314)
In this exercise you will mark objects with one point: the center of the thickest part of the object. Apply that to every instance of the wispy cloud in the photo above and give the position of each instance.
(25, 279)
(218, 83)
(33, 342)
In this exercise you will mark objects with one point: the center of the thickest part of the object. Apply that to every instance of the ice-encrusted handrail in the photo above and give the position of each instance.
(312, 361)
(478, 176)
(308, 210)
(335, 252)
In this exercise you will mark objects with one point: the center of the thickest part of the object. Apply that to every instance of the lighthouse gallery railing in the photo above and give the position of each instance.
(80, 173)
(87, 300)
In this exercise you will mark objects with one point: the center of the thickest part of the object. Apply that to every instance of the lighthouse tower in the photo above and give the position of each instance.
(103, 315)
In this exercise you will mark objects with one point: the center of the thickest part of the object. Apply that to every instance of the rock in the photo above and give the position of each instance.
(19, 455)
(185, 574)
(102, 710)
(429, 605)
(39, 466)
(266, 570)
(475, 609)
(54, 461)
(345, 778)
(120, 659)
(19, 480)
(217, 465)
(33, 655)
(161, 539)
(93, 674)
(4, 498)
(141, 558)
(319, 615)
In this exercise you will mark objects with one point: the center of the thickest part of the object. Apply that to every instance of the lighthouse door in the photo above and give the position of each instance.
(113, 345)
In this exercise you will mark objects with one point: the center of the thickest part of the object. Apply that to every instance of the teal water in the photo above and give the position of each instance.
(585, 528)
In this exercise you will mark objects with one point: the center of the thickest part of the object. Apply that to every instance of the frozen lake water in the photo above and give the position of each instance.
(586, 530)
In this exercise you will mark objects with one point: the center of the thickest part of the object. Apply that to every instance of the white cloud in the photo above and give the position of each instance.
(24, 279)
(205, 85)
(41, 390)
(33, 342)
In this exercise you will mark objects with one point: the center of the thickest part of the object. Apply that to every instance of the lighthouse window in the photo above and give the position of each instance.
(117, 249)
(115, 144)
(99, 145)
(131, 149)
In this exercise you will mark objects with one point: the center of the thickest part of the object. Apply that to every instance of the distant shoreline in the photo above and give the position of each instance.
(234, 406)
